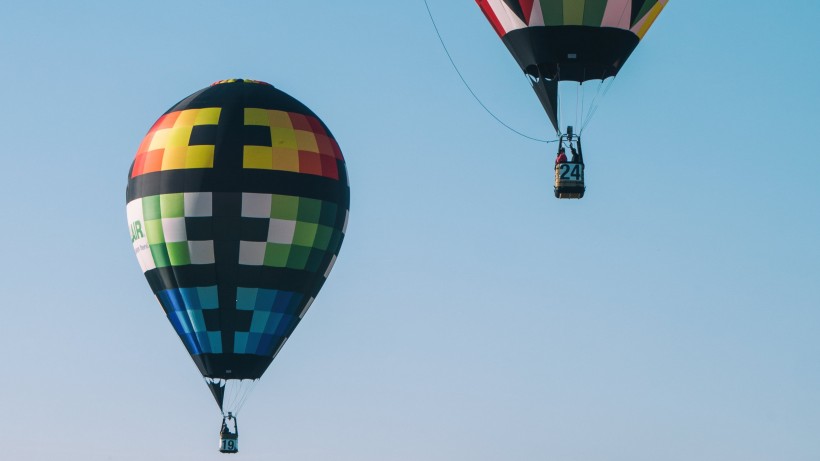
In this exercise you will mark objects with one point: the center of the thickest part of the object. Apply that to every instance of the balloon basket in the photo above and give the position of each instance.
(229, 443)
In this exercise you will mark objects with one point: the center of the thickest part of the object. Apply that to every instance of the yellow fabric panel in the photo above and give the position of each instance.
(160, 139)
(257, 157)
(179, 136)
(200, 157)
(256, 116)
(283, 137)
(573, 12)
(174, 158)
(208, 116)
(306, 140)
(650, 18)
(279, 118)
(186, 118)
(285, 159)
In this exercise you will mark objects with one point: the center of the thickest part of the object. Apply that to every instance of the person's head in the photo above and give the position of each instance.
(561, 150)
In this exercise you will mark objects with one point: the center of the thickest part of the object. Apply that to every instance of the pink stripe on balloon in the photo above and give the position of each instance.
(617, 14)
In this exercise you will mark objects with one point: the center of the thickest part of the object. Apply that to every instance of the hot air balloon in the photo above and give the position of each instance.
(571, 41)
(237, 203)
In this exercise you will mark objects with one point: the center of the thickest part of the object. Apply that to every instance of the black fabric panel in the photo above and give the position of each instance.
(258, 181)
(232, 366)
(192, 275)
(255, 135)
(259, 96)
(515, 6)
(547, 92)
(203, 135)
(637, 5)
(254, 229)
(199, 228)
(545, 51)
(218, 392)
(202, 275)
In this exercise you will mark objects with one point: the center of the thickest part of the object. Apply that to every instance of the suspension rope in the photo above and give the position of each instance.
(446, 51)
(595, 103)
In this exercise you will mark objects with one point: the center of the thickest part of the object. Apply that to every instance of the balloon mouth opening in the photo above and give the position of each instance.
(240, 80)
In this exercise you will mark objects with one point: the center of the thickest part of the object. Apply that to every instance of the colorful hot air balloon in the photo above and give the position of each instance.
(237, 202)
(570, 41)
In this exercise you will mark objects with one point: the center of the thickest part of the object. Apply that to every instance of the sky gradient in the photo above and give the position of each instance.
(672, 314)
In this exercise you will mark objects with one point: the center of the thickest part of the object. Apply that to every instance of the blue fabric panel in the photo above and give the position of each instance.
(208, 298)
(259, 323)
(266, 345)
(190, 297)
(215, 340)
(266, 299)
(246, 298)
(285, 325)
(197, 320)
(253, 342)
(171, 300)
(240, 343)
(283, 300)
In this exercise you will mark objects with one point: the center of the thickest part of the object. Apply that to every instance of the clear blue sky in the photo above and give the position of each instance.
(672, 314)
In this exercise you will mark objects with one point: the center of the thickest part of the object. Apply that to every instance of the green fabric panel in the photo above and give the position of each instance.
(150, 208)
(553, 12)
(172, 205)
(276, 255)
(310, 210)
(178, 253)
(297, 259)
(573, 12)
(305, 234)
(160, 255)
(284, 207)
(153, 230)
(594, 12)
(323, 234)
(644, 9)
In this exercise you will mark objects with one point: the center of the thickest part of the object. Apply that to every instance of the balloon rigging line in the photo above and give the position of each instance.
(594, 105)
(447, 52)
(579, 110)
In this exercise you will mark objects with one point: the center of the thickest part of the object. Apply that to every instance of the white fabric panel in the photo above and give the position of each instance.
(251, 253)
(330, 266)
(307, 306)
(537, 16)
(344, 226)
(256, 205)
(174, 229)
(281, 231)
(202, 251)
(509, 21)
(198, 204)
(136, 225)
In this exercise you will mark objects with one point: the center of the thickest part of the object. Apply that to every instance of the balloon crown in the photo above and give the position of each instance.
(239, 80)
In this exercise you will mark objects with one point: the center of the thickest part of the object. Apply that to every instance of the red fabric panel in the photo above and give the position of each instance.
(490, 14)
(526, 5)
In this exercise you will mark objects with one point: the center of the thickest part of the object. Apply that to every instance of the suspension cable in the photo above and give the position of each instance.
(596, 103)
(447, 52)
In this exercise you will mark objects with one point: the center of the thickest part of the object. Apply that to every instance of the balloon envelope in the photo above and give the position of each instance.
(237, 203)
(570, 40)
